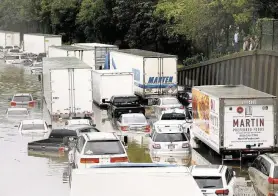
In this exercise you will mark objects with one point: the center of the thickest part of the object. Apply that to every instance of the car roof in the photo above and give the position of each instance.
(207, 170)
(34, 121)
(132, 115)
(17, 109)
(22, 94)
(176, 110)
(100, 136)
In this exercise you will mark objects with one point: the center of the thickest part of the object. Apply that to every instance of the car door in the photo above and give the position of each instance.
(263, 176)
(78, 150)
(230, 180)
(119, 122)
(254, 171)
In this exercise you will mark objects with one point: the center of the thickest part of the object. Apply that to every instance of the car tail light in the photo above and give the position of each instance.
(148, 128)
(272, 180)
(222, 192)
(124, 128)
(13, 103)
(156, 146)
(61, 149)
(182, 107)
(31, 103)
(118, 159)
(185, 145)
(89, 160)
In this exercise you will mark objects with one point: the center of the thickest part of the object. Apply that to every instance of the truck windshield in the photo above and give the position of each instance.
(209, 182)
(33, 127)
(173, 116)
(104, 147)
(125, 101)
(170, 137)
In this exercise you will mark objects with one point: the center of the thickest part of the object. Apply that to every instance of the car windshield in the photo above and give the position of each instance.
(170, 137)
(209, 182)
(104, 147)
(88, 130)
(125, 100)
(22, 98)
(11, 57)
(33, 127)
(189, 114)
(170, 101)
(134, 119)
(17, 112)
(173, 116)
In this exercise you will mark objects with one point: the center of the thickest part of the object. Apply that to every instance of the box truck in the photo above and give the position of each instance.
(108, 83)
(9, 38)
(234, 121)
(155, 74)
(67, 87)
(37, 43)
(96, 57)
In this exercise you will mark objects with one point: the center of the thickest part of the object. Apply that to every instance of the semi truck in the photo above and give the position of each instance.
(67, 88)
(37, 43)
(235, 121)
(155, 74)
(9, 38)
(108, 83)
(96, 57)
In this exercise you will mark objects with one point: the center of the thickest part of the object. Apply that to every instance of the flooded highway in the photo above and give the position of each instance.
(45, 174)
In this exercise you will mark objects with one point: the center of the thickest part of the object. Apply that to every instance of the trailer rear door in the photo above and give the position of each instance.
(82, 91)
(249, 125)
(60, 85)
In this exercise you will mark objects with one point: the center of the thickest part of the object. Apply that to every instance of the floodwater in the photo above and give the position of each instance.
(36, 173)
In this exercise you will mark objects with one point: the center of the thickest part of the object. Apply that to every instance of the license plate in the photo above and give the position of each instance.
(171, 147)
(171, 159)
(228, 156)
(105, 160)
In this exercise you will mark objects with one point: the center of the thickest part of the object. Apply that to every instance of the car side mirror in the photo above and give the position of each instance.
(49, 126)
(103, 101)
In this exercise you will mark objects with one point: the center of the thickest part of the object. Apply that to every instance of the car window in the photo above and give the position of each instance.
(104, 147)
(169, 101)
(88, 130)
(80, 144)
(22, 98)
(189, 114)
(170, 137)
(275, 173)
(33, 127)
(257, 163)
(265, 167)
(228, 175)
(134, 119)
(209, 182)
(173, 116)
(17, 112)
(11, 57)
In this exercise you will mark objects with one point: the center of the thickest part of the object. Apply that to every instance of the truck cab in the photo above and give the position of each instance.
(119, 105)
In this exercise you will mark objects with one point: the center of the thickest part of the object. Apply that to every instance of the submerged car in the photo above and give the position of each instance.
(133, 122)
(22, 100)
(17, 112)
(35, 126)
(166, 103)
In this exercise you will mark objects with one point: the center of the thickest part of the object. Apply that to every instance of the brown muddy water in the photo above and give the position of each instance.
(36, 173)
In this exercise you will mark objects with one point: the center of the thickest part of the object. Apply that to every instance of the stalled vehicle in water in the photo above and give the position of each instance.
(35, 126)
(234, 120)
(166, 103)
(155, 179)
(22, 100)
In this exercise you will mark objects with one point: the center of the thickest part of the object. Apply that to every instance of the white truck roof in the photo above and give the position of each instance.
(136, 180)
(145, 53)
(232, 91)
(63, 63)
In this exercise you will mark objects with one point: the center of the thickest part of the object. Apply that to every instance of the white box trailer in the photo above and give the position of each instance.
(97, 55)
(37, 43)
(67, 87)
(9, 38)
(234, 121)
(155, 74)
(108, 83)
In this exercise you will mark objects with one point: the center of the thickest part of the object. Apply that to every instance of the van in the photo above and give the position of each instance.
(15, 58)
(125, 179)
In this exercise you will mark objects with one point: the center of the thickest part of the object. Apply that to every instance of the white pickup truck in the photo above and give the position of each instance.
(175, 117)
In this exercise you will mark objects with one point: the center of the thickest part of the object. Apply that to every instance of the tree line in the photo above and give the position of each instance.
(181, 27)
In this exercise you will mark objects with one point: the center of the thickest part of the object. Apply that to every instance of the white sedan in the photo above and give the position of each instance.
(36, 126)
(166, 103)
(17, 112)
